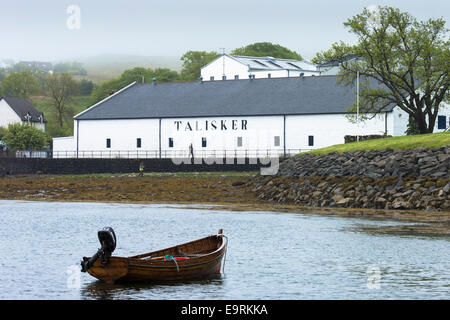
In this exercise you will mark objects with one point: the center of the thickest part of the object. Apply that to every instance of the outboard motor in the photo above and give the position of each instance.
(108, 241)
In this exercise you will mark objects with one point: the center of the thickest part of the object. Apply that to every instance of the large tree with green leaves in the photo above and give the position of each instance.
(401, 61)
(21, 85)
(61, 88)
(267, 49)
(193, 61)
(138, 75)
(22, 136)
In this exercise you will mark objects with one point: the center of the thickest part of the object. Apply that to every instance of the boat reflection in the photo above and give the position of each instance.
(100, 290)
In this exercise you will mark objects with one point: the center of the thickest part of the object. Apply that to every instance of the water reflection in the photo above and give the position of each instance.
(441, 231)
(270, 255)
(100, 290)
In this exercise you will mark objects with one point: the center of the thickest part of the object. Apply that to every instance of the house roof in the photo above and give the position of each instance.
(256, 97)
(23, 107)
(270, 63)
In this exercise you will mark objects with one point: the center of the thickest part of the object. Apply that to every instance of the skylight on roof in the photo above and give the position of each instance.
(295, 66)
(276, 65)
(260, 63)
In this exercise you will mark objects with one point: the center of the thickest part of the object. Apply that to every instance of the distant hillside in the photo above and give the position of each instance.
(105, 67)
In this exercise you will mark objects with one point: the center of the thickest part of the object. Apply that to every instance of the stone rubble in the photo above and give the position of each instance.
(381, 179)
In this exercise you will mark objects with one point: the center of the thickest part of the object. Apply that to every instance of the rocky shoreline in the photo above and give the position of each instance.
(416, 179)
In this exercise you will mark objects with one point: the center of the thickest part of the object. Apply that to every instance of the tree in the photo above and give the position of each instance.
(3, 131)
(61, 88)
(267, 49)
(86, 87)
(74, 68)
(402, 62)
(132, 75)
(193, 61)
(22, 136)
(21, 85)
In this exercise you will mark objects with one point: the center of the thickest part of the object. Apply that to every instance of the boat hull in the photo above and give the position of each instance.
(144, 268)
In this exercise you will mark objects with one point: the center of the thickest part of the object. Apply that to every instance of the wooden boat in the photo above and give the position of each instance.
(192, 260)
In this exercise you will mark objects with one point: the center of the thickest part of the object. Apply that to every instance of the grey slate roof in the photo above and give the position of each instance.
(23, 107)
(274, 96)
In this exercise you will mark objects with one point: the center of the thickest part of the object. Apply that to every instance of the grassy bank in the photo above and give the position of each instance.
(431, 140)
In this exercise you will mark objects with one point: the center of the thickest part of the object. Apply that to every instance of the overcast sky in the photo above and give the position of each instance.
(38, 30)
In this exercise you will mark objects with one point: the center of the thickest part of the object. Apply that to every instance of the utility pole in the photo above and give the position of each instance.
(223, 60)
(357, 105)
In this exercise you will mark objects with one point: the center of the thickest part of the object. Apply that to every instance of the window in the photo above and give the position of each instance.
(170, 142)
(269, 75)
(277, 141)
(203, 142)
(310, 141)
(236, 77)
(138, 142)
(239, 141)
(224, 77)
(108, 143)
(211, 78)
(442, 122)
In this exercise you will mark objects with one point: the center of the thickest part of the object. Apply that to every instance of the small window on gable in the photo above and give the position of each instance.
(203, 142)
(277, 141)
(310, 141)
(138, 142)
(170, 142)
(108, 143)
(224, 77)
(269, 75)
(236, 77)
(211, 78)
(442, 122)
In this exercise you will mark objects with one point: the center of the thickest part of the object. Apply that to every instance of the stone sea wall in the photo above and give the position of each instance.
(382, 179)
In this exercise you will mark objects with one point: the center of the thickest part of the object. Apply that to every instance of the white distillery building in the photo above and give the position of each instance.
(242, 67)
(252, 118)
(17, 110)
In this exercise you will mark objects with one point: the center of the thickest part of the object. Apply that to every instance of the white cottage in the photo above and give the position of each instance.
(252, 117)
(243, 67)
(17, 110)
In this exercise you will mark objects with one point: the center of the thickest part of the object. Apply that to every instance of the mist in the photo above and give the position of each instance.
(44, 30)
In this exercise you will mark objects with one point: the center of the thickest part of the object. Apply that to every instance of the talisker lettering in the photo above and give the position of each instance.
(211, 125)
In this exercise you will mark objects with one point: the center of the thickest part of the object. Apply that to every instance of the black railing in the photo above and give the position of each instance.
(151, 154)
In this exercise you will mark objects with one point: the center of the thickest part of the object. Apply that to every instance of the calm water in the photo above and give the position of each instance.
(270, 255)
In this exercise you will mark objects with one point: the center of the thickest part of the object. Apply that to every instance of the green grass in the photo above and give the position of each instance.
(404, 142)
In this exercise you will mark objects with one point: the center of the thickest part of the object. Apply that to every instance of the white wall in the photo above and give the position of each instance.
(400, 120)
(234, 68)
(92, 137)
(257, 133)
(7, 115)
(64, 147)
(216, 69)
(327, 129)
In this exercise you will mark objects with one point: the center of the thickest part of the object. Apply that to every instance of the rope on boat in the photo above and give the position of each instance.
(168, 258)
(225, 254)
